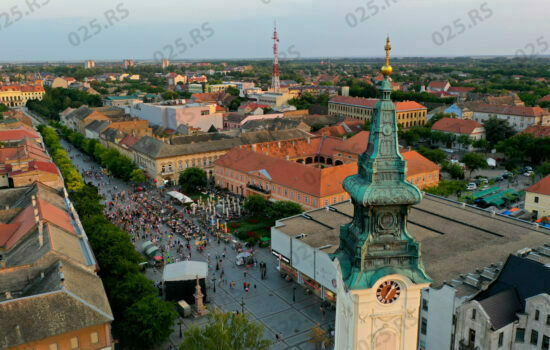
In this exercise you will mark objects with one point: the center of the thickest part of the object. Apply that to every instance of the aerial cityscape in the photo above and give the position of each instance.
(275, 175)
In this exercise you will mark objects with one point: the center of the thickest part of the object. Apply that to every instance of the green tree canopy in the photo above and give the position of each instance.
(225, 330)
(137, 176)
(497, 130)
(474, 161)
(147, 323)
(255, 205)
(284, 209)
(435, 155)
(232, 91)
(191, 179)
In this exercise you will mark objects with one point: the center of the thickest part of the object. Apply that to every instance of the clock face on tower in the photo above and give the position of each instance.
(388, 292)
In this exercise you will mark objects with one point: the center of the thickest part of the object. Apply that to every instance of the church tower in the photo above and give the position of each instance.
(380, 271)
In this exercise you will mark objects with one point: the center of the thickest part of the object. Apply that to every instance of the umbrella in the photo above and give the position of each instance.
(158, 258)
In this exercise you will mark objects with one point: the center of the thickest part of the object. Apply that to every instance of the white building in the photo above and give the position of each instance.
(513, 312)
(518, 117)
(195, 115)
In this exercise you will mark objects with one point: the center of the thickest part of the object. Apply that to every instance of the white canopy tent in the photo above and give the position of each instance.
(180, 196)
(184, 271)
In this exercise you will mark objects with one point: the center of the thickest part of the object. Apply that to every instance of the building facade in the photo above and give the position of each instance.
(518, 117)
(18, 95)
(408, 113)
(537, 198)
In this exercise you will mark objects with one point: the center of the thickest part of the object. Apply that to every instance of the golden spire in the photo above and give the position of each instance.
(386, 69)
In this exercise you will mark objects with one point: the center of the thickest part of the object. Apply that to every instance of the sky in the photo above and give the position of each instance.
(72, 30)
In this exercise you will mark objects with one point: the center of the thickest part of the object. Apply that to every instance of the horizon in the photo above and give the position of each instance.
(62, 30)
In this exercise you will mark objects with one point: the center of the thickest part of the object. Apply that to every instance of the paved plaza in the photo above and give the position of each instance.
(283, 307)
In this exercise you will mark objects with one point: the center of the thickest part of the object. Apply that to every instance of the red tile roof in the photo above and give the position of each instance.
(509, 110)
(460, 89)
(417, 163)
(17, 134)
(457, 126)
(302, 178)
(541, 187)
(544, 99)
(253, 105)
(437, 84)
(336, 130)
(370, 102)
(128, 141)
(537, 131)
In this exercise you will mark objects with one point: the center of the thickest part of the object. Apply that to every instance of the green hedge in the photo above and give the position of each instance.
(142, 319)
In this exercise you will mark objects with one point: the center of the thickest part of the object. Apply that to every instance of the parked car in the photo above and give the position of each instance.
(484, 187)
(499, 178)
(507, 174)
(528, 173)
(526, 169)
(471, 186)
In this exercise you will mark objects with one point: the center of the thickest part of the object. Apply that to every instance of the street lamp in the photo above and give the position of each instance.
(180, 323)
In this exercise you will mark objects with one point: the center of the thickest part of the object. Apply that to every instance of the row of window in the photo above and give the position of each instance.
(192, 163)
(368, 111)
(276, 189)
(75, 342)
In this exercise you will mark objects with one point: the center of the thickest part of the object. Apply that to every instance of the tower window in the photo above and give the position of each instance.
(424, 326)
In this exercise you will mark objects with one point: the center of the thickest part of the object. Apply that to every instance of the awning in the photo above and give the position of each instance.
(180, 196)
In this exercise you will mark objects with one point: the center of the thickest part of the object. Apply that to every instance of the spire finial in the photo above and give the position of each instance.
(387, 69)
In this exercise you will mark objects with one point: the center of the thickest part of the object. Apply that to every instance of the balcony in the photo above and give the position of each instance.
(258, 189)
(463, 345)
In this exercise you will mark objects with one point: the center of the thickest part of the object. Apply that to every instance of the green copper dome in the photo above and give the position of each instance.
(376, 243)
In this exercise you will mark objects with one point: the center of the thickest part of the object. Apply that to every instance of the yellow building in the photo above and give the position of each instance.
(537, 198)
(18, 95)
(408, 113)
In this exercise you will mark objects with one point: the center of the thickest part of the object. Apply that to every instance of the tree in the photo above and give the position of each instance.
(366, 126)
(319, 337)
(148, 322)
(212, 128)
(410, 137)
(233, 91)
(497, 130)
(481, 144)
(255, 205)
(235, 104)
(454, 170)
(543, 169)
(447, 188)
(137, 176)
(225, 330)
(464, 140)
(317, 126)
(170, 95)
(435, 155)
(191, 179)
(474, 161)
(284, 209)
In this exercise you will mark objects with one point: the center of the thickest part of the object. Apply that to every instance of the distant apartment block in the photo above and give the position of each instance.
(89, 64)
(128, 63)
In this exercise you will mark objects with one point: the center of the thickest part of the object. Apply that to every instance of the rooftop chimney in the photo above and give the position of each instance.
(308, 140)
(41, 234)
